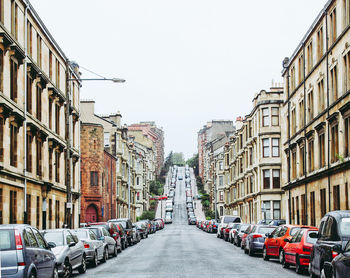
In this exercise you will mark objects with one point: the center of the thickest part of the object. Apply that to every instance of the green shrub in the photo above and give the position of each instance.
(148, 214)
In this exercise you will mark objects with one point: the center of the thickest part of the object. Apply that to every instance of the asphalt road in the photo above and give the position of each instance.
(181, 250)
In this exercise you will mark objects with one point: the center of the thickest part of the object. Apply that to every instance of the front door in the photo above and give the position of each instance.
(91, 214)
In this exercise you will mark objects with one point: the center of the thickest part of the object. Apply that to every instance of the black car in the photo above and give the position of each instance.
(334, 231)
(340, 266)
(127, 225)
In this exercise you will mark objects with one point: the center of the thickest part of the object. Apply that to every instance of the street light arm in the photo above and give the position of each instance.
(115, 80)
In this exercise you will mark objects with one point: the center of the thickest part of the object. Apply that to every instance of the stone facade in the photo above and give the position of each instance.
(253, 161)
(316, 133)
(39, 123)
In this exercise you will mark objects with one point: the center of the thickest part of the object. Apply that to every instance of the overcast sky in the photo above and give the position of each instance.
(186, 62)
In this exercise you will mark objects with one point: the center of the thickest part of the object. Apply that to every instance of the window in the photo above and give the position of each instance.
(292, 78)
(312, 209)
(29, 93)
(2, 11)
(50, 163)
(106, 139)
(250, 156)
(301, 159)
(38, 102)
(29, 209)
(57, 118)
(321, 97)
(320, 43)
(310, 105)
(294, 164)
(346, 10)
(275, 116)
(322, 150)
(265, 117)
(323, 202)
(50, 113)
(29, 152)
(334, 143)
(311, 155)
(297, 210)
(293, 211)
(347, 72)
(31, 238)
(221, 181)
(94, 178)
(13, 78)
(267, 208)
(1, 70)
(38, 48)
(39, 147)
(57, 166)
(50, 213)
(38, 212)
(334, 83)
(57, 214)
(276, 179)
(309, 57)
(14, 19)
(2, 124)
(29, 38)
(57, 73)
(266, 147)
(301, 114)
(333, 26)
(275, 147)
(276, 210)
(303, 210)
(346, 196)
(301, 69)
(50, 64)
(40, 239)
(13, 144)
(294, 127)
(221, 195)
(1, 207)
(336, 197)
(347, 136)
(266, 175)
(13, 207)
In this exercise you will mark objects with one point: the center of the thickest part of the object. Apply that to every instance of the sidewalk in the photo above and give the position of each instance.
(159, 214)
(198, 211)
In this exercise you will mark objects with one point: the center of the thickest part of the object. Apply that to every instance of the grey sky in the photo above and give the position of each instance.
(186, 61)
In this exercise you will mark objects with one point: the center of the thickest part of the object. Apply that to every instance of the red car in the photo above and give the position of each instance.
(244, 236)
(274, 242)
(113, 231)
(297, 250)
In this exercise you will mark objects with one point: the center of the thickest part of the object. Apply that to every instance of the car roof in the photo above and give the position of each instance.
(13, 226)
(339, 214)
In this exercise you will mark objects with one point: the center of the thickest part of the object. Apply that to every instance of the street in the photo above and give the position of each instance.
(181, 250)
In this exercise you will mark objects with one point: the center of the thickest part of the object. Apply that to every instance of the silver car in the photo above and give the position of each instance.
(69, 251)
(103, 235)
(95, 249)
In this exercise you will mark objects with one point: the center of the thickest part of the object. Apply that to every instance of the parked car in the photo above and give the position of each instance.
(168, 218)
(264, 221)
(142, 229)
(254, 242)
(274, 242)
(226, 231)
(113, 231)
(232, 232)
(297, 250)
(334, 231)
(237, 239)
(340, 265)
(224, 220)
(180, 178)
(169, 207)
(160, 221)
(136, 233)
(127, 225)
(212, 226)
(192, 220)
(69, 251)
(277, 222)
(189, 205)
(148, 225)
(246, 233)
(25, 253)
(103, 235)
(95, 249)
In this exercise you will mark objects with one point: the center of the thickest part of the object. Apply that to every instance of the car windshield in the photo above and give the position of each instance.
(123, 224)
(95, 230)
(56, 237)
(310, 239)
(244, 227)
(345, 227)
(229, 219)
(265, 230)
(7, 240)
(81, 234)
(293, 231)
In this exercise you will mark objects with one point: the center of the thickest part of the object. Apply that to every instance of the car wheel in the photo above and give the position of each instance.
(95, 260)
(231, 240)
(281, 256)
(82, 268)
(265, 256)
(105, 255)
(146, 235)
(245, 251)
(250, 252)
(298, 268)
(67, 269)
(115, 251)
(323, 274)
(284, 263)
(32, 275)
(55, 273)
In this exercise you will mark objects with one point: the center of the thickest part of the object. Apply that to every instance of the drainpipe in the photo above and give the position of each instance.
(328, 130)
(25, 215)
(304, 153)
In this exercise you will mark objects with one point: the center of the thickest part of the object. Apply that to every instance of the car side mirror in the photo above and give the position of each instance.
(268, 235)
(51, 244)
(102, 238)
(72, 244)
(337, 248)
(314, 235)
(286, 240)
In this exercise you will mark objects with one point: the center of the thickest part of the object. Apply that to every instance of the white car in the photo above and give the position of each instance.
(224, 220)
(168, 218)
(169, 207)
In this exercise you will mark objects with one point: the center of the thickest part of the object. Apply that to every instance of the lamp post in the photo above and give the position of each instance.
(69, 74)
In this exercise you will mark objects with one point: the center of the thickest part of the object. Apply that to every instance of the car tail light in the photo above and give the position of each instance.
(257, 236)
(307, 248)
(86, 245)
(334, 254)
(214, 226)
(18, 239)
(21, 264)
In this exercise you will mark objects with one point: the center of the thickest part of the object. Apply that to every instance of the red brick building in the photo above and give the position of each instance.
(97, 176)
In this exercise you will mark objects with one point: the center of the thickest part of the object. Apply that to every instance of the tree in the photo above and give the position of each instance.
(147, 214)
(178, 159)
(193, 163)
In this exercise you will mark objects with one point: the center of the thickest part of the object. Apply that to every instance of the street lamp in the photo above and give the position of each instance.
(114, 80)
